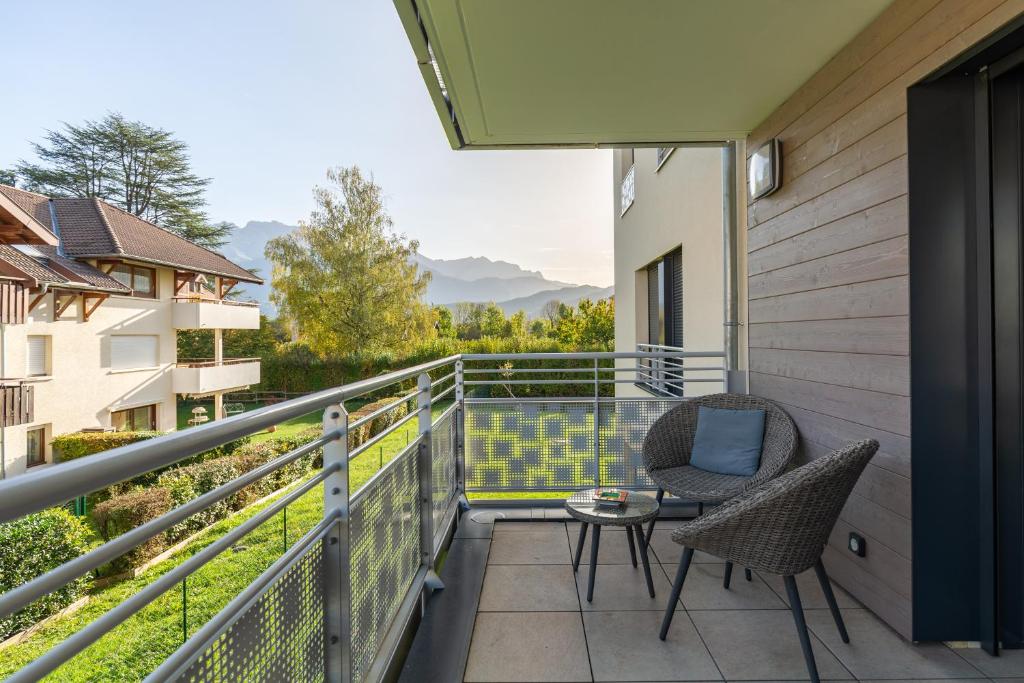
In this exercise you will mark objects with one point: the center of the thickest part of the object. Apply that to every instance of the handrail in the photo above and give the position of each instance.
(38, 490)
(594, 355)
(204, 300)
(211, 363)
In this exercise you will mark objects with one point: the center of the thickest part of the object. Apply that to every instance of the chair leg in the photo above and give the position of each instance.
(677, 588)
(650, 527)
(632, 547)
(748, 574)
(728, 575)
(579, 546)
(700, 509)
(595, 541)
(645, 559)
(830, 598)
(801, 627)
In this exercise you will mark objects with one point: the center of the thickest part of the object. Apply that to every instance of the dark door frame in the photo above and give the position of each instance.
(954, 483)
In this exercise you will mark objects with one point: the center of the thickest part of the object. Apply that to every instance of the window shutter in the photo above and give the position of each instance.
(653, 307)
(676, 308)
(36, 355)
(129, 351)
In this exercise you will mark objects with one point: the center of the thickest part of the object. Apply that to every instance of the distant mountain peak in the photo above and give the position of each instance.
(474, 268)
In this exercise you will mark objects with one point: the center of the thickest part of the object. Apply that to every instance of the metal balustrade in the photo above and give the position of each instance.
(336, 605)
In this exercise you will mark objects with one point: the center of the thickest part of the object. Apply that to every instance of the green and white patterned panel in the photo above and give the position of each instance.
(529, 446)
(385, 546)
(443, 457)
(624, 425)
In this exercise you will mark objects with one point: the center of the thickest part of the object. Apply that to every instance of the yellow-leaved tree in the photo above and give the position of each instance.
(344, 279)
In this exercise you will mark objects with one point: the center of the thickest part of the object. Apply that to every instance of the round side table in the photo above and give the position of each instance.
(637, 510)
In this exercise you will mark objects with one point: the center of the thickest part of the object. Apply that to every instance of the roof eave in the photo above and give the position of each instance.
(252, 279)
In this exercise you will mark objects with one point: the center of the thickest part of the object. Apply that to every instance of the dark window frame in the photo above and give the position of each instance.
(130, 423)
(29, 462)
(132, 271)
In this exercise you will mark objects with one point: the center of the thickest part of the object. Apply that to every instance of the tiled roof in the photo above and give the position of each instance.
(39, 268)
(35, 205)
(92, 228)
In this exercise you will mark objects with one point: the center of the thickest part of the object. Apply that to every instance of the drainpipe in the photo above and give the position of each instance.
(735, 378)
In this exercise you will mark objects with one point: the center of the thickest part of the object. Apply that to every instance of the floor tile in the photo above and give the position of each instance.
(556, 513)
(529, 588)
(1009, 663)
(668, 551)
(761, 645)
(621, 587)
(624, 646)
(530, 547)
(703, 590)
(614, 548)
(876, 651)
(539, 525)
(528, 646)
(811, 595)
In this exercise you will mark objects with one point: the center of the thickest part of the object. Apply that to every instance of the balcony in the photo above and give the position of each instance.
(17, 402)
(196, 377)
(201, 313)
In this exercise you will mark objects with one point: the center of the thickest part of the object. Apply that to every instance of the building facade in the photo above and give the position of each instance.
(669, 259)
(93, 300)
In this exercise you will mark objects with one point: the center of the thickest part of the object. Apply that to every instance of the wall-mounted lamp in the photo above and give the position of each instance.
(764, 170)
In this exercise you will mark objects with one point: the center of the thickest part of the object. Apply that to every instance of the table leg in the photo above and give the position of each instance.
(579, 546)
(632, 547)
(643, 558)
(595, 541)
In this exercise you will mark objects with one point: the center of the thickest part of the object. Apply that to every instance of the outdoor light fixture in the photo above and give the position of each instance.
(764, 170)
(857, 544)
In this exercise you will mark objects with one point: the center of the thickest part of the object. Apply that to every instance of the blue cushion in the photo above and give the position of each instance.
(728, 441)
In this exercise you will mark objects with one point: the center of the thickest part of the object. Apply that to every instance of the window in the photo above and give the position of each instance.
(134, 351)
(35, 446)
(38, 355)
(139, 419)
(627, 186)
(665, 300)
(625, 162)
(663, 153)
(142, 280)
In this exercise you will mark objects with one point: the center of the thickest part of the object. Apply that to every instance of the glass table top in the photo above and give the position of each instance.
(638, 506)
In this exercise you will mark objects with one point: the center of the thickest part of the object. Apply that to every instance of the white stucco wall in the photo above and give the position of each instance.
(82, 389)
(679, 204)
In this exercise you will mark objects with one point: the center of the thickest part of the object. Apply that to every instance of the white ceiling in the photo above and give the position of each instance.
(587, 72)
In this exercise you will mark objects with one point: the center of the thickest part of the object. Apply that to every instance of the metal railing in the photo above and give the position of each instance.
(212, 362)
(338, 602)
(211, 299)
(669, 375)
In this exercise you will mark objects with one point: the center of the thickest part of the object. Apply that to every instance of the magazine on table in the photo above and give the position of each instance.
(610, 498)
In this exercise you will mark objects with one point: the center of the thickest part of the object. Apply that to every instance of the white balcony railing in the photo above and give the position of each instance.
(203, 376)
(199, 313)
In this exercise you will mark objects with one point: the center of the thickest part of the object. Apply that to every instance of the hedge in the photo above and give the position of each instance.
(31, 546)
(367, 430)
(78, 444)
(122, 513)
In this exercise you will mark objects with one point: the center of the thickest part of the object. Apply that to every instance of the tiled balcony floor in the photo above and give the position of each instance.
(534, 623)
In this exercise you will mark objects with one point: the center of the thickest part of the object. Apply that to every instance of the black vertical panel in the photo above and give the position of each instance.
(653, 305)
(943, 343)
(1007, 301)
(676, 309)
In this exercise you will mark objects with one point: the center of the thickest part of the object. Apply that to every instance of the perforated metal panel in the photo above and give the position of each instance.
(624, 424)
(549, 446)
(443, 474)
(280, 637)
(524, 446)
(385, 546)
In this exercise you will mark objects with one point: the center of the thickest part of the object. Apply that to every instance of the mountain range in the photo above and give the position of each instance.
(472, 279)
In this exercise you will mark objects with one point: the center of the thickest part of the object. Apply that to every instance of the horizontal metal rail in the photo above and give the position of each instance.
(53, 486)
(54, 579)
(596, 355)
(79, 640)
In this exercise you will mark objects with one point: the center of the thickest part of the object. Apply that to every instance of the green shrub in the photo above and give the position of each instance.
(191, 481)
(78, 444)
(367, 430)
(123, 513)
(32, 546)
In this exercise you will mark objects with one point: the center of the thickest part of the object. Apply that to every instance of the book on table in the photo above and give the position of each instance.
(612, 498)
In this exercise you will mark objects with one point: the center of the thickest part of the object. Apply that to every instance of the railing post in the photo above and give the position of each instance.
(426, 470)
(337, 556)
(460, 429)
(597, 425)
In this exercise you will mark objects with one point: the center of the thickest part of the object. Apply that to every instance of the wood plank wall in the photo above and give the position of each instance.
(828, 273)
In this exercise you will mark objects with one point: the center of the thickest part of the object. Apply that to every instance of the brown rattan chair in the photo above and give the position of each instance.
(780, 527)
(667, 447)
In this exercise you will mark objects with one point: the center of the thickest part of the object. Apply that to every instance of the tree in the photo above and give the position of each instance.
(590, 326)
(444, 324)
(8, 177)
(494, 323)
(144, 170)
(551, 311)
(345, 278)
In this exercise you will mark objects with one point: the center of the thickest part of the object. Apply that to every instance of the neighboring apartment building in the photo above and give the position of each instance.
(91, 298)
(669, 268)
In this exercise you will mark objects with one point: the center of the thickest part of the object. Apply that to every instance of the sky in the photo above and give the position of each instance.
(270, 94)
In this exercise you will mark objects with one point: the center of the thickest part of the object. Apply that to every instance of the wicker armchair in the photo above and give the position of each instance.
(780, 527)
(667, 447)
